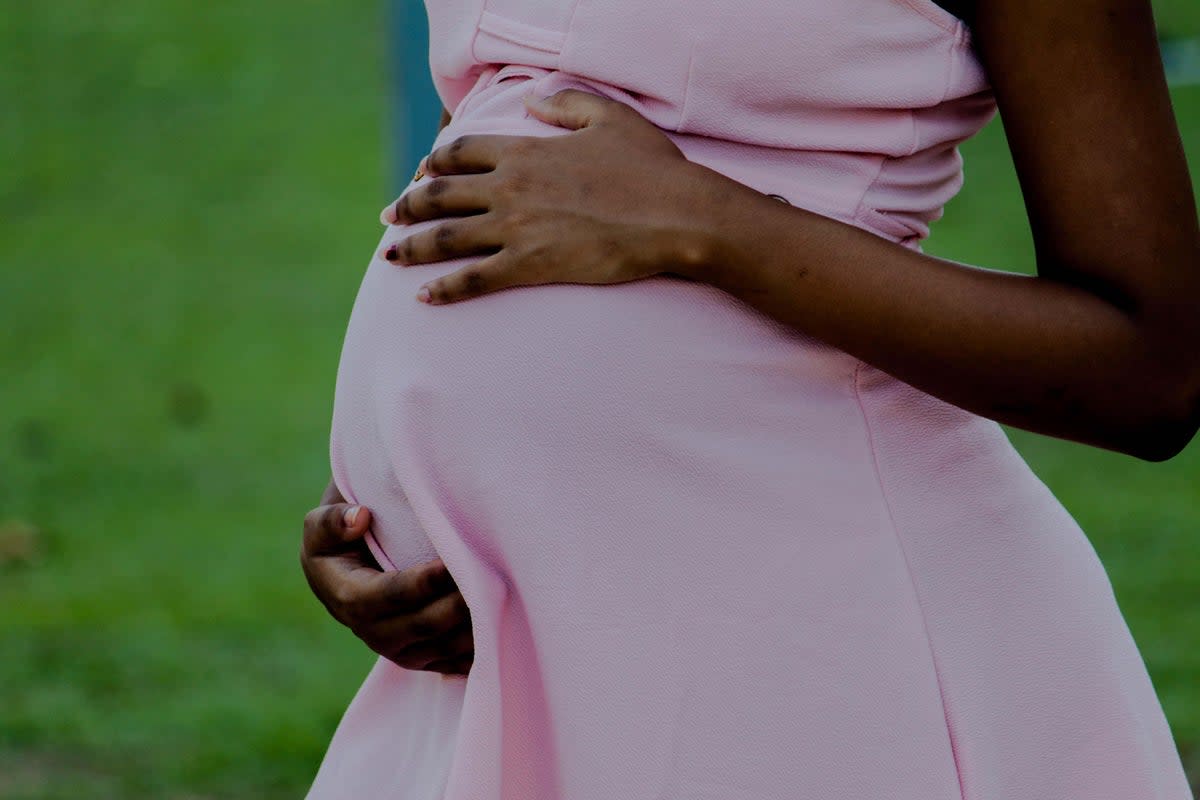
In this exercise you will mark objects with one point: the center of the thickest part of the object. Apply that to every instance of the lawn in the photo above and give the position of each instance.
(187, 200)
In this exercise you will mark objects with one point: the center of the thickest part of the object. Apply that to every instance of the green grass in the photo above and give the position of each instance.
(187, 199)
(190, 202)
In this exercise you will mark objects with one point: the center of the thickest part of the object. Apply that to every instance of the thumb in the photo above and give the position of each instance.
(571, 108)
(330, 528)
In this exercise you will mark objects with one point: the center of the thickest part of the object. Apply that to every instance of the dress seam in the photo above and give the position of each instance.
(887, 505)
(567, 37)
(860, 208)
(954, 57)
(687, 90)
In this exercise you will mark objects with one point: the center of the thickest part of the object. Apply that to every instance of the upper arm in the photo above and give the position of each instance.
(1084, 101)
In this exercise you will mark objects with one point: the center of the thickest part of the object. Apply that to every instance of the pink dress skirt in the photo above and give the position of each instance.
(707, 556)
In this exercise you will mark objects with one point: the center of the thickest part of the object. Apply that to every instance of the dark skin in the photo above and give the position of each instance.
(415, 618)
(1101, 347)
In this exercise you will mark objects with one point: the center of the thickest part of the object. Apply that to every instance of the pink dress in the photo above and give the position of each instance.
(708, 557)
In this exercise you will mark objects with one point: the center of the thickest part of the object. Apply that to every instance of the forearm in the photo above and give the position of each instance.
(1037, 354)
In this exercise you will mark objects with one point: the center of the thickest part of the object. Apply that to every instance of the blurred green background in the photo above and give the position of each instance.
(188, 197)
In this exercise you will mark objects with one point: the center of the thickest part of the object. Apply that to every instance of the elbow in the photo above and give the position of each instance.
(1168, 423)
(1163, 443)
(1157, 391)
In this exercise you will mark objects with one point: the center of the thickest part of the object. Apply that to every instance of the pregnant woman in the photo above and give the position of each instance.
(720, 478)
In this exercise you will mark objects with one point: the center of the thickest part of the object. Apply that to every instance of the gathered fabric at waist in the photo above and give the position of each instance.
(836, 184)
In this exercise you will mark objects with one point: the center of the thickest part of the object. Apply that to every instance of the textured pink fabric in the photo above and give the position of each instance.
(708, 557)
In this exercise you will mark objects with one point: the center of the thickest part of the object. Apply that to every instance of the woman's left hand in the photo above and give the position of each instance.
(613, 201)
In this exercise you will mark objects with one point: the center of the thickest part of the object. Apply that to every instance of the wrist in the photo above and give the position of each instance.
(700, 243)
(687, 252)
(727, 229)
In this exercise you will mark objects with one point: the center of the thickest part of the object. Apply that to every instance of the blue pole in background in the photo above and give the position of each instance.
(415, 105)
(1182, 60)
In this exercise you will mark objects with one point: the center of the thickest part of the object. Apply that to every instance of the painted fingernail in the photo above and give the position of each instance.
(423, 294)
(351, 515)
(392, 253)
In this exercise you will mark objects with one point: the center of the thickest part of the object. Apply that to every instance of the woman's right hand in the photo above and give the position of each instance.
(415, 618)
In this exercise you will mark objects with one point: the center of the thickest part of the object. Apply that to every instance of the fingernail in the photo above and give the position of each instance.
(388, 215)
(351, 515)
(423, 294)
(392, 253)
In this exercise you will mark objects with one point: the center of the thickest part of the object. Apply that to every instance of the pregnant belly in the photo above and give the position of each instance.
(539, 400)
(528, 415)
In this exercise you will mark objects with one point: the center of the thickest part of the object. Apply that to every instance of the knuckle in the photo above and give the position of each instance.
(319, 527)
(422, 627)
(514, 183)
(426, 584)
(312, 520)
(434, 158)
(398, 586)
(474, 282)
(434, 204)
(441, 666)
(456, 147)
(464, 643)
(462, 612)
(516, 219)
(331, 519)
(525, 147)
(522, 220)
(343, 608)
(401, 660)
(347, 601)
(441, 621)
(444, 238)
(397, 655)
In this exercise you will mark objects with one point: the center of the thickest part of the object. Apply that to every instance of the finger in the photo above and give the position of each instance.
(573, 108)
(330, 528)
(453, 645)
(459, 667)
(453, 239)
(443, 618)
(367, 600)
(478, 152)
(490, 274)
(340, 581)
(437, 618)
(378, 599)
(449, 195)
